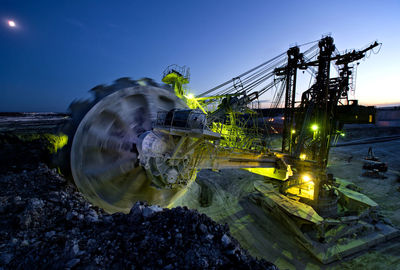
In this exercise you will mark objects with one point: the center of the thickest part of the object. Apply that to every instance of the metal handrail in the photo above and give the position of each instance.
(183, 71)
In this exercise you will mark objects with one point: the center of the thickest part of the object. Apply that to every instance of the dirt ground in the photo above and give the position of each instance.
(264, 237)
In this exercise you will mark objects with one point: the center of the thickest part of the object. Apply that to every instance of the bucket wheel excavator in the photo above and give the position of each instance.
(138, 140)
(144, 143)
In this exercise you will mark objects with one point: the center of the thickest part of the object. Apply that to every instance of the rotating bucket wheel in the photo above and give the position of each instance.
(104, 158)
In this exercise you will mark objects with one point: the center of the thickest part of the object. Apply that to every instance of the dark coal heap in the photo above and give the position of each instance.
(18, 154)
(45, 223)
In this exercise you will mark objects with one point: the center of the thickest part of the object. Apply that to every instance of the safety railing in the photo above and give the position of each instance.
(182, 71)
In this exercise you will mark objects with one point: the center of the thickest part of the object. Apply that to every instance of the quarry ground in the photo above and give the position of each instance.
(223, 196)
(265, 237)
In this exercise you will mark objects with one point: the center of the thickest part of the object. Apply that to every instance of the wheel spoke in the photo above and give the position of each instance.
(98, 139)
(111, 171)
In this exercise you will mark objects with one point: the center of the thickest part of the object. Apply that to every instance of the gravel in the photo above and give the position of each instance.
(46, 223)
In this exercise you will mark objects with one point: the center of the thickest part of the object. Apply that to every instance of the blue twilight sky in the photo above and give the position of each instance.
(61, 49)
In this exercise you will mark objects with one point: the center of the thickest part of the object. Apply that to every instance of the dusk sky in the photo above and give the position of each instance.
(58, 50)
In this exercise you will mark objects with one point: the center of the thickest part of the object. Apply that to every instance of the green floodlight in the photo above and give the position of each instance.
(190, 96)
(314, 127)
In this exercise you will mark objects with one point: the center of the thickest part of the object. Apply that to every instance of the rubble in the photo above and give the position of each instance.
(46, 223)
(22, 152)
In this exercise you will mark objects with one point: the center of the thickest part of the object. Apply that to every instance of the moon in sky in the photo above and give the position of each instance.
(11, 23)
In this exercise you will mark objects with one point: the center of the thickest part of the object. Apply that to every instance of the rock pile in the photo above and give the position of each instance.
(22, 152)
(46, 223)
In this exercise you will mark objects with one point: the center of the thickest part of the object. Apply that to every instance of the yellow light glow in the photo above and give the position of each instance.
(314, 127)
(304, 189)
(306, 178)
(272, 172)
(293, 131)
(190, 96)
(11, 23)
(303, 156)
(57, 141)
